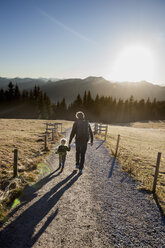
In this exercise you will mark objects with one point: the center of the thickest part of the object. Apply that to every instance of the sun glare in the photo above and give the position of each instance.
(134, 63)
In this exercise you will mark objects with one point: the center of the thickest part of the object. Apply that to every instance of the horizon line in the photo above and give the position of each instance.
(82, 78)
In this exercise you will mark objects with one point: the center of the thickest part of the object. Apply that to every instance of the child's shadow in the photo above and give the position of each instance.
(20, 232)
(30, 192)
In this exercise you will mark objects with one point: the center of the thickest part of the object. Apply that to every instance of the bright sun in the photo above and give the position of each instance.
(134, 63)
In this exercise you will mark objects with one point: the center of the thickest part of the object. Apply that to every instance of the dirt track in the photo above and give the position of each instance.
(101, 208)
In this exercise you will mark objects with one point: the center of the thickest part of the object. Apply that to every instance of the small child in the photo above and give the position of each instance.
(62, 151)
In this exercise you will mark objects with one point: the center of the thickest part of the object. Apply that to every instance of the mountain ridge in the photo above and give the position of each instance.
(70, 88)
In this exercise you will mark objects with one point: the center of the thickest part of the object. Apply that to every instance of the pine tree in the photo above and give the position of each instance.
(10, 91)
(17, 93)
(85, 99)
(2, 96)
(77, 104)
(89, 99)
(63, 105)
(25, 95)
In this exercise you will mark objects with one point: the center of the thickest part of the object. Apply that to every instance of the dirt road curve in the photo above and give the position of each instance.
(101, 208)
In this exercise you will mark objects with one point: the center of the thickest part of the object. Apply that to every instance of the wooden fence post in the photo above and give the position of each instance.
(99, 128)
(156, 171)
(45, 148)
(106, 130)
(117, 145)
(46, 127)
(53, 130)
(15, 171)
(96, 128)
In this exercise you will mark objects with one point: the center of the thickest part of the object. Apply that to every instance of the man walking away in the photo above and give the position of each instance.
(81, 130)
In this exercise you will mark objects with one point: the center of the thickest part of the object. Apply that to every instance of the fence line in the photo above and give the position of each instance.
(97, 129)
(156, 168)
(53, 127)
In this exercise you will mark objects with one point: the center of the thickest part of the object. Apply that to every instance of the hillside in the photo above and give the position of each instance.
(69, 88)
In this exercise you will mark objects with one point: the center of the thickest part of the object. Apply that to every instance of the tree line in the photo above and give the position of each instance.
(34, 103)
(99, 108)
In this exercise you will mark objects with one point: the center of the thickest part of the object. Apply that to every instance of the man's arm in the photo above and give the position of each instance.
(68, 148)
(57, 151)
(73, 132)
(91, 134)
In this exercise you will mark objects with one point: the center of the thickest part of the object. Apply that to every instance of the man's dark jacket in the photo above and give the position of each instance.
(74, 133)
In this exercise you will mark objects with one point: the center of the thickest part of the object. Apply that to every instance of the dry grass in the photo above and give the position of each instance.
(137, 154)
(26, 136)
(149, 124)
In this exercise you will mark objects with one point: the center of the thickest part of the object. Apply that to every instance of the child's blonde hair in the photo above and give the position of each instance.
(63, 140)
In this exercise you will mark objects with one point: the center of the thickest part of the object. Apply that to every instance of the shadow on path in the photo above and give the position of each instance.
(29, 192)
(101, 143)
(21, 232)
(125, 176)
(156, 199)
(112, 167)
(159, 207)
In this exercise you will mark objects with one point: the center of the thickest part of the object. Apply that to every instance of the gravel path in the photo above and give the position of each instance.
(101, 208)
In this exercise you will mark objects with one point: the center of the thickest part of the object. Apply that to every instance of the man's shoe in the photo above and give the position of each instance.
(80, 171)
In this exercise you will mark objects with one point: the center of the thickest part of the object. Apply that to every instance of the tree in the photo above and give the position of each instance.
(2, 95)
(89, 99)
(77, 104)
(131, 109)
(10, 92)
(25, 95)
(85, 99)
(17, 93)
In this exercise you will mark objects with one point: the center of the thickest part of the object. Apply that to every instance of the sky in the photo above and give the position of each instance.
(120, 40)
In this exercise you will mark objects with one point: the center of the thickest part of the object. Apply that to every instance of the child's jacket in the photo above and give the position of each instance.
(62, 150)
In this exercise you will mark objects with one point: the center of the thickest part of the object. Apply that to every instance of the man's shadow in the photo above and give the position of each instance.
(30, 192)
(20, 232)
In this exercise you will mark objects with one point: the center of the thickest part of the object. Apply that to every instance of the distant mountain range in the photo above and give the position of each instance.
(69, 88)
(24, 83)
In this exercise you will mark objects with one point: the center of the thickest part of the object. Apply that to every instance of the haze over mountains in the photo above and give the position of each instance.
(69, 88)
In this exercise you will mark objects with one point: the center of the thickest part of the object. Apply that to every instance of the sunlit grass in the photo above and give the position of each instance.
(26, 136)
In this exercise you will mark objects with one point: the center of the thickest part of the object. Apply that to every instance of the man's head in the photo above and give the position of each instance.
(80, 115)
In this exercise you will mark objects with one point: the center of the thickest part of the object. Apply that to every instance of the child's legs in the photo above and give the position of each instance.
(63, 160)
(60, 160)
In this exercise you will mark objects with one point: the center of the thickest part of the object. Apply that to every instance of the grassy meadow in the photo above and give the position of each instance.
(26, 136)
(139, 144)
